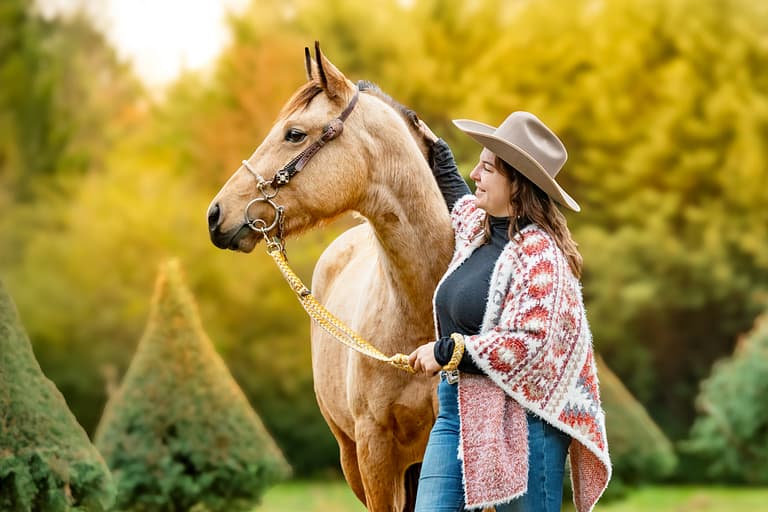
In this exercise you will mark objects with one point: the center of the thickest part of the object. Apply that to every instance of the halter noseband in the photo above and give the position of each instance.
(269, 189)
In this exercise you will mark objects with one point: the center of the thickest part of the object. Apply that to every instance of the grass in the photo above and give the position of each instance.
(335, 496)
(692, 499)
(310, 496)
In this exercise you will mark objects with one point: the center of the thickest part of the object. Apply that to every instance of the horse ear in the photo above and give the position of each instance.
(308, 62)
(332, 80)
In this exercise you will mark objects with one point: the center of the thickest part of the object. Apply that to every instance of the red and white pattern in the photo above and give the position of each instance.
(535, 347)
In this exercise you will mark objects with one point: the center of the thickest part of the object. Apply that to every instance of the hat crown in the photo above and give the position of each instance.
(525, 143)
(529, 134)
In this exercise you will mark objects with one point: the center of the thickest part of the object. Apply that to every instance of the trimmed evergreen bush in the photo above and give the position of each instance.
(47, 462)
(640, 452)
(179, 434)
(731, 432)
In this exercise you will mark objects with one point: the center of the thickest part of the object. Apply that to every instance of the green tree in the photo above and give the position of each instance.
(64, 98)
(31, 144)
(46, 459)
(730, 434)
(670, 173)
(640, 452)
(179, 433)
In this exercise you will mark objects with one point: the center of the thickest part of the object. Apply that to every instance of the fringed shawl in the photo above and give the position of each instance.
(535, 349)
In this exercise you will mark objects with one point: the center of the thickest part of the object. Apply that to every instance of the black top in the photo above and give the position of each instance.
(461, 299)
(451, 184)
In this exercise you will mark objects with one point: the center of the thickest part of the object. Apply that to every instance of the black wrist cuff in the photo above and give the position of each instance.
(444, 350)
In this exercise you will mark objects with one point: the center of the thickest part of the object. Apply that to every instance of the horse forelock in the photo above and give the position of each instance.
(301, 98)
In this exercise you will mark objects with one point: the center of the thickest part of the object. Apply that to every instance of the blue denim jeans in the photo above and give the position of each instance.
(440, 484)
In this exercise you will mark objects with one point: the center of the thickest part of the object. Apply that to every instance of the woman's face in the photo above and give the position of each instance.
(493, 188)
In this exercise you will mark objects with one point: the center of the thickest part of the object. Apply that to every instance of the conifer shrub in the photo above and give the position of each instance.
(730, 435)
(179, 434)
(47, 462)
(640, 452)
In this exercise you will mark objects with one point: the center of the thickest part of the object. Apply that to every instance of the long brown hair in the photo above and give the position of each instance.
(529, 201)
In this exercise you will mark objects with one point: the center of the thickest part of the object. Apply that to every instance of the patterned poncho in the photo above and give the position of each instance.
(535, 349)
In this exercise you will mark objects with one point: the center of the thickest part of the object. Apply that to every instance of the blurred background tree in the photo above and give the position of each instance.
(179, 434)
(662, 104)
(63, 99)
(47, 461)
(640, 452)
(731, 433)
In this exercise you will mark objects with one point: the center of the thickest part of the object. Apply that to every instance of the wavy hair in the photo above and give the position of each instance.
(531, 202)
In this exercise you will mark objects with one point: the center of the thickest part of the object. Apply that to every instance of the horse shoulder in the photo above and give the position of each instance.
(337, 257)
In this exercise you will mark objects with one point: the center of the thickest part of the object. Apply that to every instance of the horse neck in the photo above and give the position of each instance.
(411, 223)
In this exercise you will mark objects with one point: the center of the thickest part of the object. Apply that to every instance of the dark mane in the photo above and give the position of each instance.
(308, 91)
(410, 117)
(407, 114)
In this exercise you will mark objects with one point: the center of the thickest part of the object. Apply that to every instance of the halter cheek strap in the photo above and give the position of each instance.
(332, 130)
(269, 189)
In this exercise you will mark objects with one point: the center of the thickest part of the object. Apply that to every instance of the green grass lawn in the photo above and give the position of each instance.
(692, 499)
(310, 496)
(335, 496)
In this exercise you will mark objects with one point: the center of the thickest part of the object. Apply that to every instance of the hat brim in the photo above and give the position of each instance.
(517, 158)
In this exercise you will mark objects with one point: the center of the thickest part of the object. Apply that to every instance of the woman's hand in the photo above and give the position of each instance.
(426, 132)
(423, 359)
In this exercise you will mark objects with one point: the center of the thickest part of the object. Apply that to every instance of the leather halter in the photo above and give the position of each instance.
(269, 189)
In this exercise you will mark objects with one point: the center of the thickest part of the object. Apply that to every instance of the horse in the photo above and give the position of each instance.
(378, 277)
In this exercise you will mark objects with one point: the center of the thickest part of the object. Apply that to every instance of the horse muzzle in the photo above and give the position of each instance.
(239, 238)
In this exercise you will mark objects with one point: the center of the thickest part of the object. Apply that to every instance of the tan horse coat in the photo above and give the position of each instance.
(378, 277)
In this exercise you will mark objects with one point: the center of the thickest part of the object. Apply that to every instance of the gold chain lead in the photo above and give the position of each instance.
(328, 321)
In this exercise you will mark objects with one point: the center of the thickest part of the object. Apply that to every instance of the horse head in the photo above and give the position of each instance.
(316, 161)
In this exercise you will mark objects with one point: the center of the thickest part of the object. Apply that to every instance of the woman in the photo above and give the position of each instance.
(518, 388)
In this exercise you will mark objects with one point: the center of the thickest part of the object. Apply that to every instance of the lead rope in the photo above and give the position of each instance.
(327, 320)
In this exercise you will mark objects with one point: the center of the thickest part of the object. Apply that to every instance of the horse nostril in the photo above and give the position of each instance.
(214, 217)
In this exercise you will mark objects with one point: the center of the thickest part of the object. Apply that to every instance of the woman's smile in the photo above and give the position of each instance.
(492, 188)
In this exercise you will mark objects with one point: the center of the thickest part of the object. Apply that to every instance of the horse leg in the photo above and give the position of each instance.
(349, 465)
(382, 470)
(411, 482)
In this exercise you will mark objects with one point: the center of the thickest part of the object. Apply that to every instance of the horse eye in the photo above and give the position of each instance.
(295, 136)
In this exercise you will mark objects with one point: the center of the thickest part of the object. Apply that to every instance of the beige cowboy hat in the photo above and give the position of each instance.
(525, 143)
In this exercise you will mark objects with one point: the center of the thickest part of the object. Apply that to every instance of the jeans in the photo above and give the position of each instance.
(440, 485)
